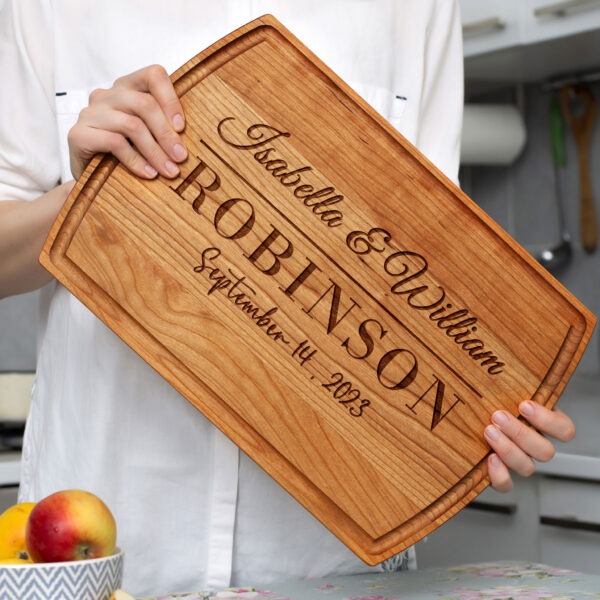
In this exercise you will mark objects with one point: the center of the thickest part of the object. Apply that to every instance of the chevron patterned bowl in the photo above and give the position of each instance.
(94, 579)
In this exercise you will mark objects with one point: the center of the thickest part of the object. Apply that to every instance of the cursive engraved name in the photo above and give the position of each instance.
(258, 137)
(411, 268)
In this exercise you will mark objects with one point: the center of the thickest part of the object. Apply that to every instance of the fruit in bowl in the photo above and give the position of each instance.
(63, 546)
(13, 524)
(70, 525)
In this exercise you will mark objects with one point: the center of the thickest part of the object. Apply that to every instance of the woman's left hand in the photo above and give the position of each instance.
(517, 444)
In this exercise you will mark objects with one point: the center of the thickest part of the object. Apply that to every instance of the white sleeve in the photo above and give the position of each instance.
(442, 101)
(29, 150)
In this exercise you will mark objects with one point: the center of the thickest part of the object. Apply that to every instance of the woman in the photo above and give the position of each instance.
(193, 512)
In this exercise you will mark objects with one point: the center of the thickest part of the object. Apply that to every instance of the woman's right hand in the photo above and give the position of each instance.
(138, 120)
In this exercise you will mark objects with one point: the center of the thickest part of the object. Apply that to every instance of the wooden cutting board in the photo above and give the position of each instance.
(321, 292)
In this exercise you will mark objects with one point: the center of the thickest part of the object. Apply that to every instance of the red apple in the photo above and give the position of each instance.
(70, 525)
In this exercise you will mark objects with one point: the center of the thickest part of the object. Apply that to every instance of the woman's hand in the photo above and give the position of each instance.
(517, 445)
(138, 120)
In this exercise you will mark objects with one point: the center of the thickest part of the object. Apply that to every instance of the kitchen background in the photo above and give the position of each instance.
(517, 55)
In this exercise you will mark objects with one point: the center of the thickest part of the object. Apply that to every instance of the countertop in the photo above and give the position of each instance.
(486, 581)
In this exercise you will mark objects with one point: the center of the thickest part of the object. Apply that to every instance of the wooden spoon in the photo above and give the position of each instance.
(579, 109)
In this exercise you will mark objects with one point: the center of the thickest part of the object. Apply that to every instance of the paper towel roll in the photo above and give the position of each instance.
(492, 134)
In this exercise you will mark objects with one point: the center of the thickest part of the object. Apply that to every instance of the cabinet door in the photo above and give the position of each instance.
(493, 527)
(489, 25)
(543, 20)
(570, 499)
(570, 523)
(570, 549)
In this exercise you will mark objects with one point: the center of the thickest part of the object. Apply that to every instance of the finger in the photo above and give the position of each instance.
(554, 423)
(526, 438)
(138, 116)
(158, 145)
(499, 475)
(150, 119)
(129, 156)
(103, 129)
(90, 141)
(511, 454)
(156, 81)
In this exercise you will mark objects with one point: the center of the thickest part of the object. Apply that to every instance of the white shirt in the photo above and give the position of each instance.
(193, 512)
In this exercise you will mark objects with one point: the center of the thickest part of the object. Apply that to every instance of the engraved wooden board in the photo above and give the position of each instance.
(321, 292)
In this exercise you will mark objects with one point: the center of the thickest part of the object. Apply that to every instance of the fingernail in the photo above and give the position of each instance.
(495, 460)
(526, 408)
(178, 122)
(150, 171)
(500, 418)
(172, 168)
(179, 152)
(492, 433)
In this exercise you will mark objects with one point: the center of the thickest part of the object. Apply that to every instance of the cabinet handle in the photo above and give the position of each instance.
(483, 26)
(567, 523)
(502, 509)
(561, 9)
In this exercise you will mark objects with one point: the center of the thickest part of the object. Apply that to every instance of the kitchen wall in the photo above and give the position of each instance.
(522, 198)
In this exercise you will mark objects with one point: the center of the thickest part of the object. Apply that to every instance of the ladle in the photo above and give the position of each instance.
(579, 109)
(555, 257)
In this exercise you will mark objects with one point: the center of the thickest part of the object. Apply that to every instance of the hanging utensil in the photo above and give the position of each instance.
(559, 255)
(579, 110)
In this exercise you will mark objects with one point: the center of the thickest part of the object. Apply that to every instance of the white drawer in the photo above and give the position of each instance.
(570, 549)
(565, 500)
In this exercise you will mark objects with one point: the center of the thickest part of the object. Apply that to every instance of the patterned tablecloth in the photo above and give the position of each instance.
(485, 581)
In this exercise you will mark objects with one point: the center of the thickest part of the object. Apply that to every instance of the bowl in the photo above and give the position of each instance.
(92, 579)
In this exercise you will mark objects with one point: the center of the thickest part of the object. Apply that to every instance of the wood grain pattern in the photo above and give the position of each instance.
(321, 292)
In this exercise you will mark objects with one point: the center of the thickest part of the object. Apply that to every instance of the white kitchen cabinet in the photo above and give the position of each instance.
(520, 41)
(489, 25)
(570, 523)
(570, 549)
(547, 519)
(543, 20)
(495, 24)
(494, 527)
(570, 500)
